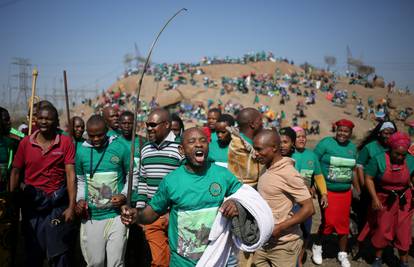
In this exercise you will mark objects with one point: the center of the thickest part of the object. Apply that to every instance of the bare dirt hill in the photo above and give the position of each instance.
(323, 110)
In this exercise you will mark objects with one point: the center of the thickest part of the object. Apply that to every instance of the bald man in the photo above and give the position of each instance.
(241, 161)
(111, 117)
(192, 194)
(159, 157)
(281, 186)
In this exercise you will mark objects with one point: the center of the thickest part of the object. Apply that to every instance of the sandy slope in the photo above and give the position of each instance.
(323, 111)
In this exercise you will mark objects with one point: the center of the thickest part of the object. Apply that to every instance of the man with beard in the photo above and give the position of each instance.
(282, 187)
(49, 190)
(78, 128)
(210, 130)
(219, 149)
(193, 193)
(111, 117)
(102, 163)
(159, 157)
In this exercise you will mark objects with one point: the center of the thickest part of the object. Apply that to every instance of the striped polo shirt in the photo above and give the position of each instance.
(156, 162)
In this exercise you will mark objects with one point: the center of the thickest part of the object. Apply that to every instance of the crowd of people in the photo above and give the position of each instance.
(235, 192)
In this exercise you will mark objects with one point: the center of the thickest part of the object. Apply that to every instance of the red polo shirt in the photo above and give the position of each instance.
(44, 169)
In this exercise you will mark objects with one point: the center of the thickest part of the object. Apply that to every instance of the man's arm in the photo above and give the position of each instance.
(71, 187)
(140, 216)
(304, 212)
(14, 179)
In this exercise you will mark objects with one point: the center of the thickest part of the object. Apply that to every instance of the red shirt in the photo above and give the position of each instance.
(45, 169)
(207, 131)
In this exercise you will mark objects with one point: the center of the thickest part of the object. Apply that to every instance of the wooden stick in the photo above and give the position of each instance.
(67, 103)
(35, 73)
(134, 126)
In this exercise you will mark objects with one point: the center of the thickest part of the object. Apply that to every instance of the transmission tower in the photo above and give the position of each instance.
(22, 87)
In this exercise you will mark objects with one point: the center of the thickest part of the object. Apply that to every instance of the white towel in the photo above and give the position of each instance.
(222, 242)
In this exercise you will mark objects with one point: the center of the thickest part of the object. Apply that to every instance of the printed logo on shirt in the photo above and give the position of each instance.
(57, 153)
(115, 160)
(215, 189)
(350, 152)
(310, 163)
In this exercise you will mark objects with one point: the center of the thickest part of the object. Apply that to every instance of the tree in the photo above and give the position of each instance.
(365, 70)
(330, 61)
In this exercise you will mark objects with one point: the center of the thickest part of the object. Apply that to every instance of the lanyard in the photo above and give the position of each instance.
(92, 172)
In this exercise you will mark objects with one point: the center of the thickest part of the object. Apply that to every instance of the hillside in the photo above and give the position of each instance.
(323, 110)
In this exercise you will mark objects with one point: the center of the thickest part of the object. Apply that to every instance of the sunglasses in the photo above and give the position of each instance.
(153, 124)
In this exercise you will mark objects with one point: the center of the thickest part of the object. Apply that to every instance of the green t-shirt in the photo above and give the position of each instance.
(214, 137)
(337, 163)
(137, 151)
(60, 131)
(116, 132)
(369, 151)
(78, 143)
(377, 165)
(108, 179)
(307, 164)
(194, 201)
(8, 148)
(218, 154)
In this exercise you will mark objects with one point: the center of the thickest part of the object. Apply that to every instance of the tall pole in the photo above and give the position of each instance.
(35, 73)
(134, 127)
(67, 102)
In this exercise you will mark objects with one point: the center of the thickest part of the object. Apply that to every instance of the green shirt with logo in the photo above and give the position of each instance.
(194, 200)
(337, 163)
(307, 164)
(109, 166)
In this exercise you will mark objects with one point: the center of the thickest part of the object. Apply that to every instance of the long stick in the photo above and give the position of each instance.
(35, 73)
(67, 102)
(134, 127)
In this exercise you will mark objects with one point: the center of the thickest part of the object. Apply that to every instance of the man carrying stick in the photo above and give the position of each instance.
(101, 165)
(47, 159)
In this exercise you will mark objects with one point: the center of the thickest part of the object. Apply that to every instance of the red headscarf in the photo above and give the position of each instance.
(399, 139)
(346, 123)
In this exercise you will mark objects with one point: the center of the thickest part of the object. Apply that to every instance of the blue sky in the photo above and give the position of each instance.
(89, 38)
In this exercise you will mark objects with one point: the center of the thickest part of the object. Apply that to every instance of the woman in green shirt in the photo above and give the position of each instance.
(373, 144)
(307, 164)
(337, 156)
(388, 179)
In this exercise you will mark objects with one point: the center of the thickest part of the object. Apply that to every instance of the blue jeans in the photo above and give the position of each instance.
(232, 261)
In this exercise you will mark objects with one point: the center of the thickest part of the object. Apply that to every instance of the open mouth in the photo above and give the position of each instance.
(199, 156)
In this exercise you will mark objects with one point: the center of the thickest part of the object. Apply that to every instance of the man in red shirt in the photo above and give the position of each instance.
(49, 190)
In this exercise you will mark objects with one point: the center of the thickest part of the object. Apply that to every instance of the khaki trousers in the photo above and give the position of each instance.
(283, 255)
